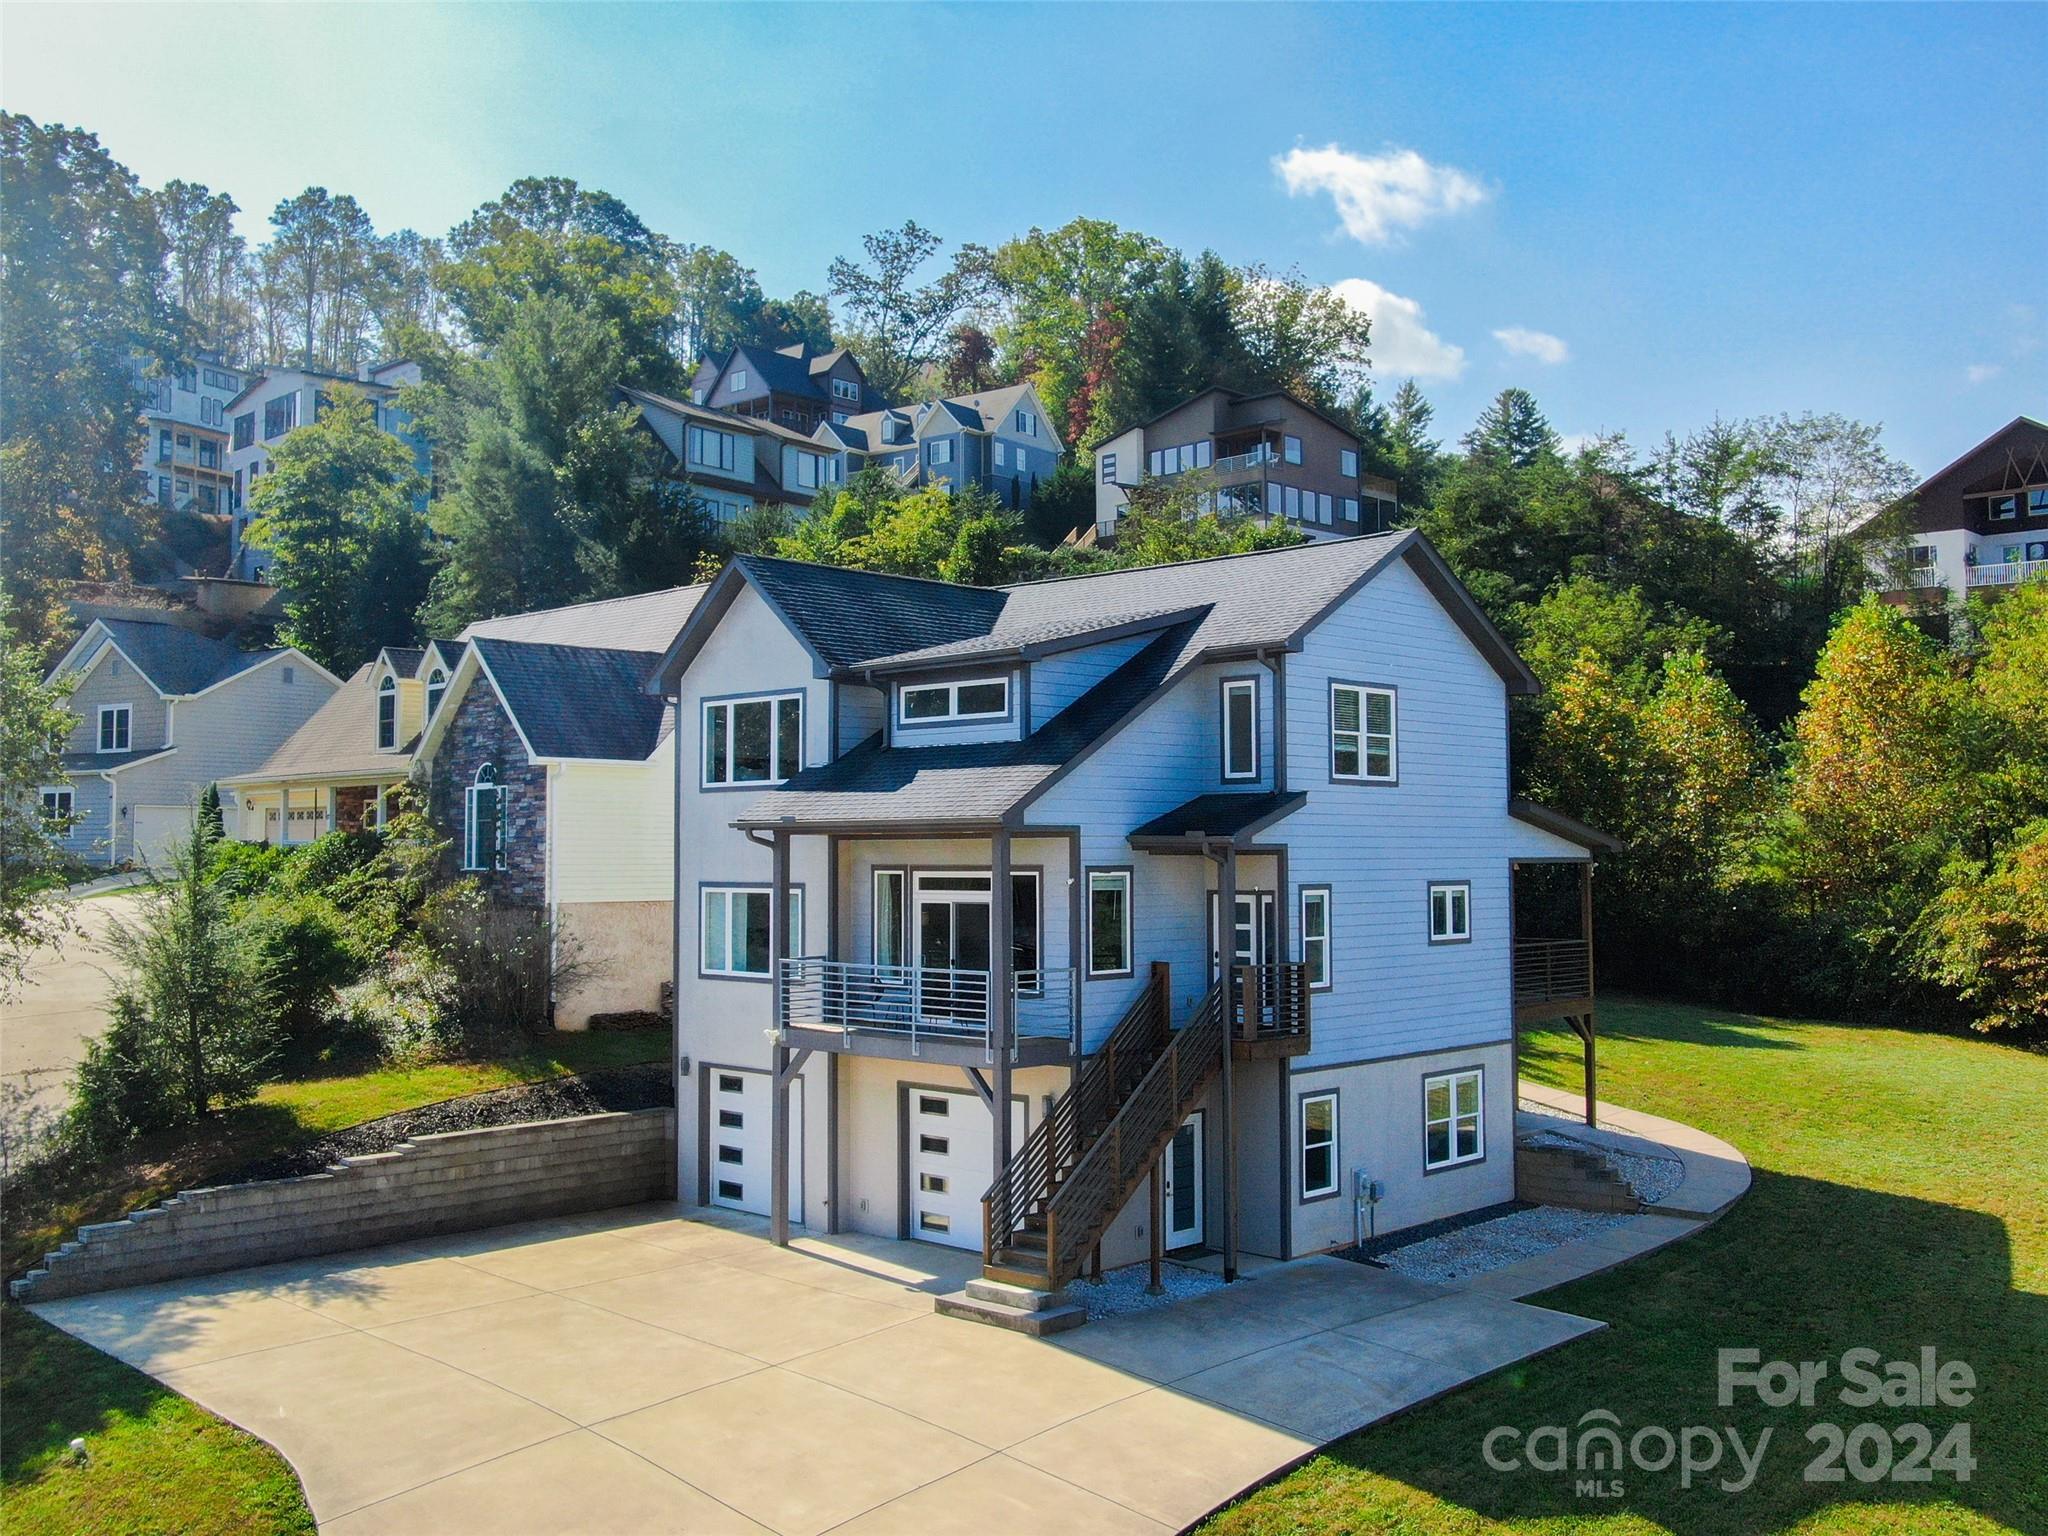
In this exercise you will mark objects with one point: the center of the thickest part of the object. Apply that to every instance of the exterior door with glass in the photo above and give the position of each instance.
(1182, 1203)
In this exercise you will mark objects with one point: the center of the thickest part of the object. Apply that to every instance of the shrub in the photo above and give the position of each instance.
(243, 870)
(307, 944)
(328, 859)
(405, 1007)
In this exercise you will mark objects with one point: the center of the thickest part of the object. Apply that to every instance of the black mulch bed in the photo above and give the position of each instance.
(615, 1088)
(1369, 1252)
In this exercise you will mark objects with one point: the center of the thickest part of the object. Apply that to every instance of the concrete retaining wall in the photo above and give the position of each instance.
(450, 1182)
(1552, 1175)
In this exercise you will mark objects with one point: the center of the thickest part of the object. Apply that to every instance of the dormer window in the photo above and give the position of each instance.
(845, 389)
(944, 703)
(437, 685)
(387, 714)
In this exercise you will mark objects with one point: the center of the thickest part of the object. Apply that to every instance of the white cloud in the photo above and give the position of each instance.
(1979, 373)
(1378, 196)
(1402, 345)
(1520, 341)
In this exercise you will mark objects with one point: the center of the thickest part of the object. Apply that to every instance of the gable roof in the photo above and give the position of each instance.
(576, 700)
(647, 621)
(174, 659)
(339, 740)
(1237, 399)
(403, 659)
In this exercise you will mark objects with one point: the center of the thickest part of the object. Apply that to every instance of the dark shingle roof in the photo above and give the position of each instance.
(967, 784)
(176, 659)
(647, 622)
(578, 701)
(404, 659)
(848, 616)
(76, 763)
(1230, 814)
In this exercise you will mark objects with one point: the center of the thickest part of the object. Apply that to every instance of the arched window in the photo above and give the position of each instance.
(437, 684)
(387, 714)
(483, 845)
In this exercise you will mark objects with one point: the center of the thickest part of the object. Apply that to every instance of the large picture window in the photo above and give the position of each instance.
(1453, 1117)
(934, 703)
(1318, 1145)
(1241, 728)
(711, 449)
(753, 741)
(1362, 734)
(484, 832)
(1109, 922)
(733, 931)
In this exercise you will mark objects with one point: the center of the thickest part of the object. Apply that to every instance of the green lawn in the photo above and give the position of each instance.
(1900, 1201)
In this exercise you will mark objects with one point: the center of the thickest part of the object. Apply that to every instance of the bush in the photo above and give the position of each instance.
(405, 1008)
(503, 960)
(330, 858)
(309, 948)
(242, 870)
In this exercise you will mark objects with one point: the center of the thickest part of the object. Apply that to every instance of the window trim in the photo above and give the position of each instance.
(1302, 1101)
(1451, 1075)
(68, 793)
(736, 382)
(1126, 875)
(708, 888)
(1226, 687)
(952, 690)
(1452, 936)
(125, 714)
(387, 730)
(477, 783)
(1347, 463)
(728, 702)
(437, 689)
(1392, 777)
(1303, 894)
(902, 877)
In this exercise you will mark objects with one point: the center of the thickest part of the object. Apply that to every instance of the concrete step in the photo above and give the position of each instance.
(1034, 1321)
(1003, 1294)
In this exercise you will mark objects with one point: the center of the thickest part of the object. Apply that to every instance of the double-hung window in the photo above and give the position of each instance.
(115, 727)
(1109, 922)
(484, 833)
(940, 451)
(1453, 1129)
(1027, 423)
(57, 803)
(733, 933)
(387, 714)
(1002, 454)
(1241, 728)
(753, 741)
(1362, 734)
(1318, 1145)
(437, 685)
(1450, 912)
(1315, 936)
(935, 703)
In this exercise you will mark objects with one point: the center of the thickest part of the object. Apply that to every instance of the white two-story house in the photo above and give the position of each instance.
(942, 849)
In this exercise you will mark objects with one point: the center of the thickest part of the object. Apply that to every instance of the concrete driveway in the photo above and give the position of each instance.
(642, 1371)
(63, 1004)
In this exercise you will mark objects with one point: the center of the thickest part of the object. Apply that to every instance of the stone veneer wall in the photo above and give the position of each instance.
(450, 1182)
(481, 732)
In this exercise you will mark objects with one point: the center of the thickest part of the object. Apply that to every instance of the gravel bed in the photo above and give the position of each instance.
(1121, 1292)
(1490, 1245)
(1653, 1178)
(615, 1088)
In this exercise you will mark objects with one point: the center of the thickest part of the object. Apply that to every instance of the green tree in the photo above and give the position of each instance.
(82, 290)
(337, 512)
(34, 726)
(205, 255)
(1180, 338)
(1985, 937)
(1512, 433)
(897, 324)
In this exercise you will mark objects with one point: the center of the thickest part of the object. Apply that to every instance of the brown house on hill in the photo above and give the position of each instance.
(1974, 528)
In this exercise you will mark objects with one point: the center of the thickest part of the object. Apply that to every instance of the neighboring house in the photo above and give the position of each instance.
(791, 386)
(162, 712)
(990, 829)
(551, 768)
(1268, 455)
(1978, 526)
(728, 462)
(184, 464)
(279, 400)
(338, 770)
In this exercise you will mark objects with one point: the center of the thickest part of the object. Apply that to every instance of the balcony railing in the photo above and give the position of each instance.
(1271, 1004)
(2006, 573)
(1265, 453)
(920, 1004)
(1553, 970)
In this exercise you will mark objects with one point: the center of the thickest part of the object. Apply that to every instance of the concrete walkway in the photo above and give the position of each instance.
(645, 1370)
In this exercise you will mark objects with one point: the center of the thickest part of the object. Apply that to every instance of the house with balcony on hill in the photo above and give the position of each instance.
(1975, 528)
(1064, 922)
(1269, 456)
(790, 386)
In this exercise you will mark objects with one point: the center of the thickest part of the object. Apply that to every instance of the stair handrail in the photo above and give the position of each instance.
(1058, 1138)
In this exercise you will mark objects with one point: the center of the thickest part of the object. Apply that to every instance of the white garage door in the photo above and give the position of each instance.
(740, 1149)
(952, 1162)
(158, 830)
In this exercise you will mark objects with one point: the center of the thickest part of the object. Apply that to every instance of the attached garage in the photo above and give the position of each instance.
(158, 830)
(739, 1147)
(949, 1157)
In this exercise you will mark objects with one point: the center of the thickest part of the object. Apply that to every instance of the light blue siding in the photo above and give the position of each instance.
(921, 735)
(862, 713)
(1058, 680)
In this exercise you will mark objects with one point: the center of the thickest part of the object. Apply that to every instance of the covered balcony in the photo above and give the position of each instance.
(1553, 947)
(937, 1013)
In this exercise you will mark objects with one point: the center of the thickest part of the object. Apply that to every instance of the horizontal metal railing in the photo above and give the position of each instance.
(917, 1002)
(1552, 970)
(1272, 1001)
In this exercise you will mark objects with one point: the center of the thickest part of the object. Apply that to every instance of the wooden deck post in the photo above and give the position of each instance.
(1226, 967)
(1000, 1004)
(778, 1112)
(1158, 1220)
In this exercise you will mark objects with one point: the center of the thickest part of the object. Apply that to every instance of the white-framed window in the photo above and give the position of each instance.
(890, 917)
(483, 844)
(815, 469)
(116, 727)
(1001, 453)
(1241, 728)
(713, 449)
(1347, 463)
(986, 698)
(1453, 1118)
(733, 931)
(737, 381)
(1107, 463)
(940, 451)
(1109, 922)
(1315, 936)
(1027, 423)
(1450, 911)
(845, 389)
(56, 801)
(387, 714)
(437, 685)
(1362, 734)
(1291, 449)
(1318, 1145)
(753, 741)
(1020, 460)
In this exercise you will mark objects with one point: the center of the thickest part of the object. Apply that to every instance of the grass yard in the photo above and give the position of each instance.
(1900, 1201)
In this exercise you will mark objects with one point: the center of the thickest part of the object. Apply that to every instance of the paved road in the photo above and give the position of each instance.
(62, 1005)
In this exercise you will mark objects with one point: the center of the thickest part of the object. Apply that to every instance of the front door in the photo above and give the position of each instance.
(952, 936)
(950, 1159)
(1182, 1191)
(1254, 931)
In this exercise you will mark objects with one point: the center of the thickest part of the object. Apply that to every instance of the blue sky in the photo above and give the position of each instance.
(1646, 215)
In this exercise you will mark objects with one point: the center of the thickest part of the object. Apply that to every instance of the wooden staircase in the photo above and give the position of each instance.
(1074, 1172)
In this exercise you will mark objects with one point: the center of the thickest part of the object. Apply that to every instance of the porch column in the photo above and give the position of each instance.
(1226, 965)
(1001, 985)
(778, 1113)
(1586, 1034)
